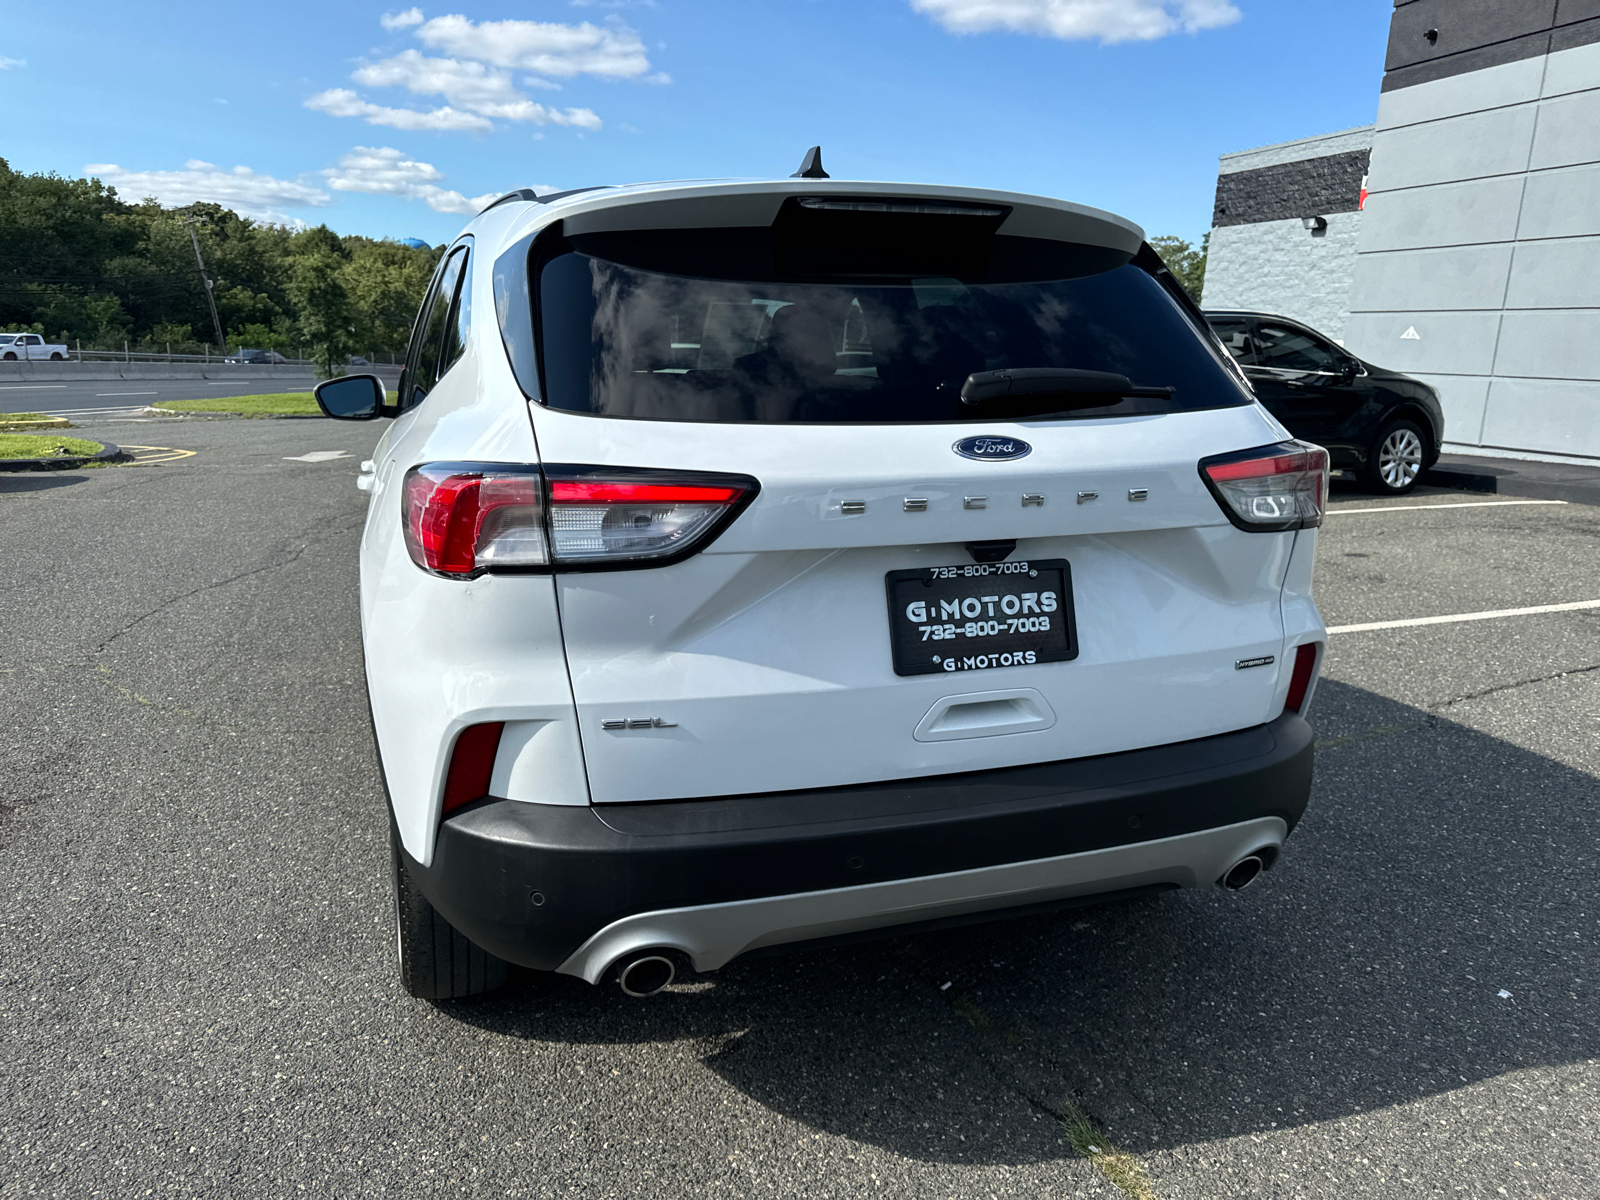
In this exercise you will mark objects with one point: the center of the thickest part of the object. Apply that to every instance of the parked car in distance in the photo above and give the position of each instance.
(17, 346)
(1384, 427)
(758, 562)
(268, 358)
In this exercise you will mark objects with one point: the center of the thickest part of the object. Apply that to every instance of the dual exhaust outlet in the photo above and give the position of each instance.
(646, 972)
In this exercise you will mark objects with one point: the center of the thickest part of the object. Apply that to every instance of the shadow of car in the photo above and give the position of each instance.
(1384, 427)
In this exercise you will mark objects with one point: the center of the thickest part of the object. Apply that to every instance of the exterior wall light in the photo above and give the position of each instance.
(1315, 224)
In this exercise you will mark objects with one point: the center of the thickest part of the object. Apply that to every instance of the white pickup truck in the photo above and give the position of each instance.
(28, 345)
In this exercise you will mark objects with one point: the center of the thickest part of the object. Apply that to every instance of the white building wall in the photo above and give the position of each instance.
(1478, 257)
(1280, 267)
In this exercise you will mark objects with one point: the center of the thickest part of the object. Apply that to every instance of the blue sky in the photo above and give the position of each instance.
(392, 121)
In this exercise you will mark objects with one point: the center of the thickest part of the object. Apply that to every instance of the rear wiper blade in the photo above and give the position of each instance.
(1086, 388)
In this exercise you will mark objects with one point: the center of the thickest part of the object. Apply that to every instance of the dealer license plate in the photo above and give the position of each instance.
(978, 616)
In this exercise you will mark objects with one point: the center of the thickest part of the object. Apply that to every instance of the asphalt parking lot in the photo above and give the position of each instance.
(196, 951)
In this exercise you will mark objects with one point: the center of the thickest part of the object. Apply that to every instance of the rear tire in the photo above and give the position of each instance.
(437, 961)
(57, 357)
(1399, 455)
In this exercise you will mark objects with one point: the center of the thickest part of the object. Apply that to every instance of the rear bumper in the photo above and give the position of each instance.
(567, 888)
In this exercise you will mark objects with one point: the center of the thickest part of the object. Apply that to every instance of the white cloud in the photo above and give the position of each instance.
(245, 191)
(385, 171)
(7, 64)
(401, 20)
(1107, 20)
(342, 102)
(468, 86)
(613, 51)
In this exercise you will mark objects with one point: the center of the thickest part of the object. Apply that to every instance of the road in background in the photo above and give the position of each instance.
(80, 395)
(196, 949)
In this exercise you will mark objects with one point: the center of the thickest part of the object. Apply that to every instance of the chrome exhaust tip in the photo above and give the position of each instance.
(645, 972)
(1243, 873)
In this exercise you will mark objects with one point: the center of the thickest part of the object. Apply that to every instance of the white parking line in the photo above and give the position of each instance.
(29, 387)
(1345, 512)
(97, 395)
(1491, 615)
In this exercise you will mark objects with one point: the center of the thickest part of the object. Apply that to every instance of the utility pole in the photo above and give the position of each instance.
(206, 282)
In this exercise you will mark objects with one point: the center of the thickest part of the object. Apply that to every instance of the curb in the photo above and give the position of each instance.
(188, 414)
(110, 453)
(1513, 477)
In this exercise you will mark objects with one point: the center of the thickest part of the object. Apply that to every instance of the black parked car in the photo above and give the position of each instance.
(1384, 426)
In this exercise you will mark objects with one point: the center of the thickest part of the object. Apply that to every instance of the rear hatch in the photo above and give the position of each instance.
(866, 616)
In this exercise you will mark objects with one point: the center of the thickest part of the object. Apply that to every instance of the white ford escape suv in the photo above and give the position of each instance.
(763, 562)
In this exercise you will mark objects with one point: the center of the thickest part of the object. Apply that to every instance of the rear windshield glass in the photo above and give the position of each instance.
(674, 325)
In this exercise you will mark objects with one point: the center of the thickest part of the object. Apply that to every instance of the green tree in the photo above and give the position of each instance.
(1188, 265)
(318, 292)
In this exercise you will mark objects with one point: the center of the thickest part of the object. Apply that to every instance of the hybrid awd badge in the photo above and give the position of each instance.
(992, 449)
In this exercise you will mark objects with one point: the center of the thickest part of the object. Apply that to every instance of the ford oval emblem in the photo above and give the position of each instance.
(992, 449)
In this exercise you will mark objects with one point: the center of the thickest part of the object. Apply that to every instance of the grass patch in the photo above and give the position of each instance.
(22, 445)
(1118, 1166)
(29, 422)
(276, 404)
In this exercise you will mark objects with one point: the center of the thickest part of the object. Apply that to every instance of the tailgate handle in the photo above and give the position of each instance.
(985, 714)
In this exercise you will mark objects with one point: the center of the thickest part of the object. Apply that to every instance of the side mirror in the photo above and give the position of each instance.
(351, 397)
(1347, 369)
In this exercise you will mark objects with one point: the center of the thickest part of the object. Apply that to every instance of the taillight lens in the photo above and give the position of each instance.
(613, 521)
(1305, 666)
(1270, 488)
(462, 519)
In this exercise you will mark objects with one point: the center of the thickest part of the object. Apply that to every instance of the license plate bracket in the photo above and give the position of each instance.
(980, 616)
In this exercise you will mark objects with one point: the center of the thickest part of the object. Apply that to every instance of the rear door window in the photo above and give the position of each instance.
(1235, 337)
(1289, 348)
(432, 341)
(668, 325)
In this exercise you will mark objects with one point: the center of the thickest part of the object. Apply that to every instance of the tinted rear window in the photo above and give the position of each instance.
(684, 325)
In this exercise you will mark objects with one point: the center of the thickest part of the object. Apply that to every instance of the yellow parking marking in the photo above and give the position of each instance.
(157, 454)
(1492, 614)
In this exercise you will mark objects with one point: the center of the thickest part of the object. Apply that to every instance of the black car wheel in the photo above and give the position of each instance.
(10, 357)
(1396, 461)
(437, 962)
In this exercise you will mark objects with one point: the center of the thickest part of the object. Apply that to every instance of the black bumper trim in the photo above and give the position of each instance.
(532, 882)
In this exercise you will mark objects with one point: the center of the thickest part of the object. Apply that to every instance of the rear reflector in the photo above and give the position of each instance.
(471, 765)
(1270, 488)
(462, 519)
(1305, 664)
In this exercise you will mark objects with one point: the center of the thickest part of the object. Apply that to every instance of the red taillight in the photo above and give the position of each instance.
(462, 518)
(1305, 665)
(566, 491)
(1271, 488)
(471, 765)
(637, 522)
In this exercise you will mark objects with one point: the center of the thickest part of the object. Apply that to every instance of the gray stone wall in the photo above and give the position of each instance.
(1280, 267)
(1478, 264)
(1261, 256)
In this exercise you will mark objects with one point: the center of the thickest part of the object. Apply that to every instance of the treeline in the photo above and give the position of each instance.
(80, 264)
